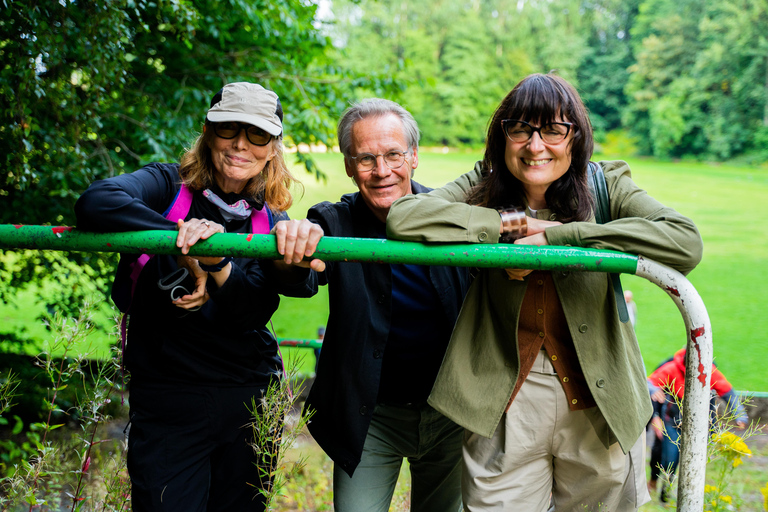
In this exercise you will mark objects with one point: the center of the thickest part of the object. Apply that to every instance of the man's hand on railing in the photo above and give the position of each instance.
(297, 239)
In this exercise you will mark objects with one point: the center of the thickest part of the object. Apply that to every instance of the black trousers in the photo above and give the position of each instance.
(189, 449)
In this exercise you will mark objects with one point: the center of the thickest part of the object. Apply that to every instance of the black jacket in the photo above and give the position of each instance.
(344, 393)
(226, 342)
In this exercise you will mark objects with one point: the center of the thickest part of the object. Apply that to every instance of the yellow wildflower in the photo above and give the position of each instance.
(726, 499)
(764, 492)
(731, 445)
(710, 488)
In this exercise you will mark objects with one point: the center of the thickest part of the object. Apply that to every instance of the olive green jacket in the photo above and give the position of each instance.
(481, 364)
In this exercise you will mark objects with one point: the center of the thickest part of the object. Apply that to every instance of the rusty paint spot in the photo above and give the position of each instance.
(673, 291)
(249, 238)
(696, 333)
(60, 229)
(109, 244)
(18, 226)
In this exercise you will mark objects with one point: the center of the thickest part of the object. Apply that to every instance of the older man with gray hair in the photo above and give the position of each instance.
(387, 331)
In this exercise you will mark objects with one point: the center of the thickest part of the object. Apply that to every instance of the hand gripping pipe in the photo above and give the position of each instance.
(698, 329)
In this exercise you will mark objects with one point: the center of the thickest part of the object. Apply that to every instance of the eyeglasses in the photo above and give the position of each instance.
(367, 161)
(231, 129)
(520, 131)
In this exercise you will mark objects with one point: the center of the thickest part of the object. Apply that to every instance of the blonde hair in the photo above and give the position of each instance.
(272, 184)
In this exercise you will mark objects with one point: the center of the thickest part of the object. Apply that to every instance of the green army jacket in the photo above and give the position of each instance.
(481, 364)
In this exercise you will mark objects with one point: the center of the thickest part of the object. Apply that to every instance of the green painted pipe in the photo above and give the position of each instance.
(306, 343)
(329, 249)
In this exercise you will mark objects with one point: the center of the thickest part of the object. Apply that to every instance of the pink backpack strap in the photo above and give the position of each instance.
(178, 209)
(180, 206)
(260, 221)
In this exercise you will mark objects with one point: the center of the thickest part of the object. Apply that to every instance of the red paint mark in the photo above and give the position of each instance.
(249, 238)
(60, 229)
(673, 291)
(18, 226)
(109, 244)
(696, 333)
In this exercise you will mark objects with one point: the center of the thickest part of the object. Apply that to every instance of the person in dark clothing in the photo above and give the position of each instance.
(197, 349)
(387, 331)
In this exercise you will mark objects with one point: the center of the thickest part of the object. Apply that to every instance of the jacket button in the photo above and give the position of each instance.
(381, 298)
(483, 236)
(377, 354)
(363, 411)
(583, 328)
(574, 401)
(600, 383)
(553, 216)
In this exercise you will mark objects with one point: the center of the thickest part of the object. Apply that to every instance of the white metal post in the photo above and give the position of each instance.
(698, 372)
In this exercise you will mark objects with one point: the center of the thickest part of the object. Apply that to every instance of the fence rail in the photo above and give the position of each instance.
(697, 325)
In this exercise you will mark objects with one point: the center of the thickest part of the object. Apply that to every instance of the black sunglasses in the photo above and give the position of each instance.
(520, 131)
(231, 129)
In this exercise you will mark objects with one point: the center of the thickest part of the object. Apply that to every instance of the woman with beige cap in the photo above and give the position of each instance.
(197, 347)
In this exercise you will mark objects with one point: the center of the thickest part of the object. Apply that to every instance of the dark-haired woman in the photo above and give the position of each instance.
(547, 380)
(197, 349)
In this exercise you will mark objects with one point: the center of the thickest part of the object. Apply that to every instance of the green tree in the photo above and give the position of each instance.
(604, 72)
(665, 38)
(458, 58)
(699, 86)
(733, 71)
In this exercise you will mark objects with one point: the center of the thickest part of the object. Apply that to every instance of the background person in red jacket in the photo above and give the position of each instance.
(670, 378)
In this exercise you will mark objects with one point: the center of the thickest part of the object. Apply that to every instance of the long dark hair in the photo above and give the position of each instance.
(543, 99)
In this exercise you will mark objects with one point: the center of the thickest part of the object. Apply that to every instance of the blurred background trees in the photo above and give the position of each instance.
(684, 78)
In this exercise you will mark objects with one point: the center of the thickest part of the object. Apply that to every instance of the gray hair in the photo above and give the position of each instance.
(375, 107)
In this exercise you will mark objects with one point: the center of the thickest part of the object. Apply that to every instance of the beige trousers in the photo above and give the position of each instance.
(543, 453)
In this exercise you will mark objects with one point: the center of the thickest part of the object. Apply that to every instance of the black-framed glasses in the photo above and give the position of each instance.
(367, 161)
(231, 129)
(520, 131)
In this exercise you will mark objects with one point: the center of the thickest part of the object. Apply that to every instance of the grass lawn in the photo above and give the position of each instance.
(729, 278)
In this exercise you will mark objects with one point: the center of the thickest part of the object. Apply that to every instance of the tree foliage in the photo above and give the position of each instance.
(686, 77)
(92, 89)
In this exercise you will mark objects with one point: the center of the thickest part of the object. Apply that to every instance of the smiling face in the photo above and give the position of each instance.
(237, 160)
(538, 164)
(381, 186)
